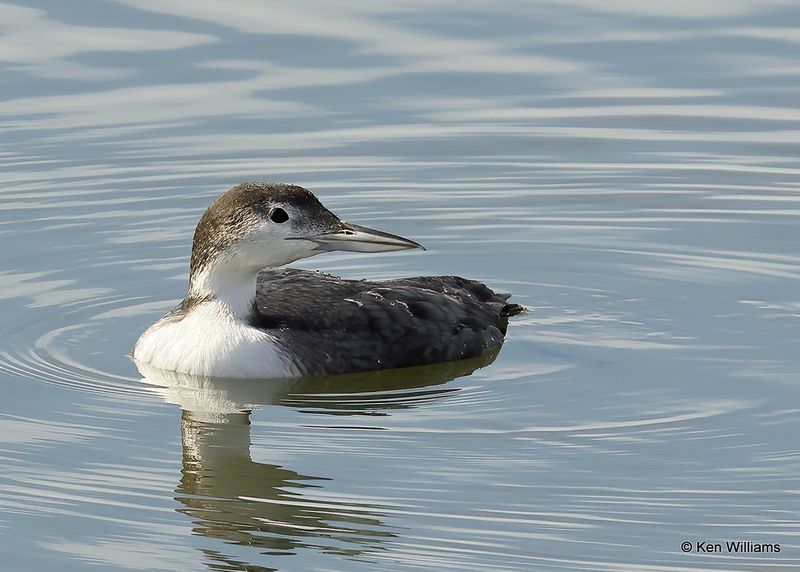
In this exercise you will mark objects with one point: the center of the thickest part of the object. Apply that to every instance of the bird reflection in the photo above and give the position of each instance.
(268, 507)
(229, 496)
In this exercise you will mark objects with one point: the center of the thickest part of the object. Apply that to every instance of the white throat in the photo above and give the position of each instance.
(214, 337)
(230, 277)
(234, 287)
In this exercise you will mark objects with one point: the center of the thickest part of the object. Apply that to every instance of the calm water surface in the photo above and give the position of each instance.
(627, 169)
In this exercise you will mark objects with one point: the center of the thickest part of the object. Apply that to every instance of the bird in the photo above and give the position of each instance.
(246, 317)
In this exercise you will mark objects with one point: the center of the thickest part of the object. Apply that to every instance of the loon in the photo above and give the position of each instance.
(244, 317)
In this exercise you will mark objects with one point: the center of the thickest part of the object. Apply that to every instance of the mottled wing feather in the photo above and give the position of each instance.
(343, 326)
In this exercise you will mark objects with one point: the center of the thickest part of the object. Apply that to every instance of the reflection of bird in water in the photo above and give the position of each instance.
(229, 496)
(270, 508)
(236, 322)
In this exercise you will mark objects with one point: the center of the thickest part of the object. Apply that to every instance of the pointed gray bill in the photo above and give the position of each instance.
(355, 238)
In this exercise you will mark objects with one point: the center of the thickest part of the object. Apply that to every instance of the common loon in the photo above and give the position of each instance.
(244, 317)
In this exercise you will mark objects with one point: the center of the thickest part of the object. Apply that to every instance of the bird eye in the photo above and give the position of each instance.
(278, 215)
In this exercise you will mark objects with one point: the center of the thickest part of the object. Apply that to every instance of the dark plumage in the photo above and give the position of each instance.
(340, 325)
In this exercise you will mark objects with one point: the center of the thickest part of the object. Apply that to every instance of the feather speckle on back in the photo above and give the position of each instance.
(340, 325)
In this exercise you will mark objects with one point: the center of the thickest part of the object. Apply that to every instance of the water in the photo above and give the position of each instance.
(628, 170)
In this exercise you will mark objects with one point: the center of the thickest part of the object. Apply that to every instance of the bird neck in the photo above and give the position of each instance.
(232, 286)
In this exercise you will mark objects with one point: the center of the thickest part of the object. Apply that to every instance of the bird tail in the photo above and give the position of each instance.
(509, 310)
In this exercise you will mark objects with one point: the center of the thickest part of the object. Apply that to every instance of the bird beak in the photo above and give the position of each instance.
(355, 238)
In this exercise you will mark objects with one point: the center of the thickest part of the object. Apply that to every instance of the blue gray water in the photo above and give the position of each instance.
(629, 170)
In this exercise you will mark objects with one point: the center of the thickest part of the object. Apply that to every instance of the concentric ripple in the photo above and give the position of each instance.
(72, 349)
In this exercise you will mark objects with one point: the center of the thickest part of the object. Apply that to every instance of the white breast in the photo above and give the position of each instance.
(210, 341)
